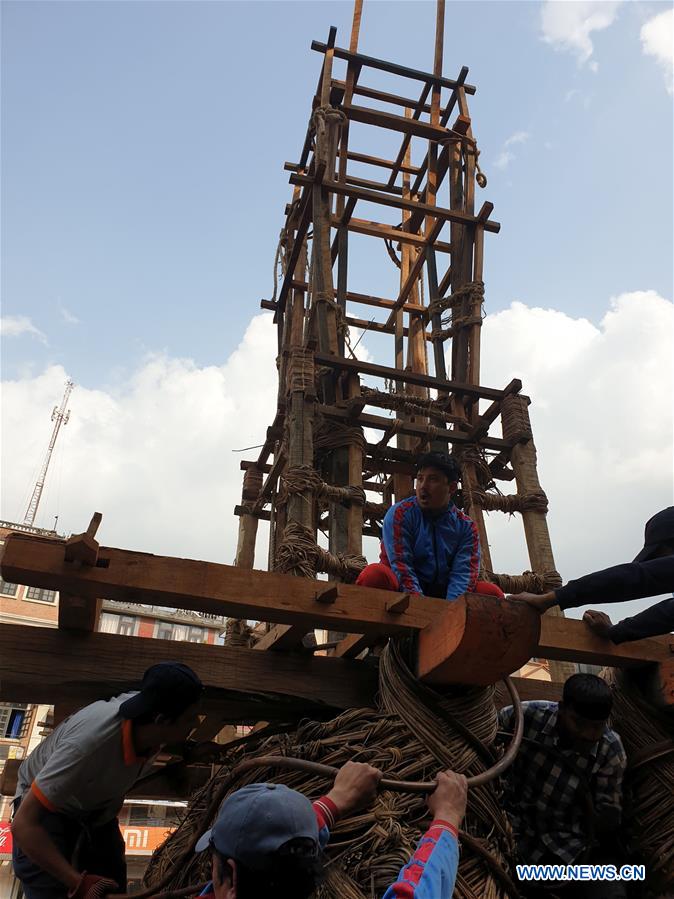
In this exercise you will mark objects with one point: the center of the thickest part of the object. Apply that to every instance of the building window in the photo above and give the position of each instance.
(117, 624)
(196, 635)
(164, 630)
(37, 594)
(14, 720)
(8, 589)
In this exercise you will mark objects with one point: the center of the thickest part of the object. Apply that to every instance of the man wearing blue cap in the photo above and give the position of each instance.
(72, 786)
(267, 839)
(650, 574)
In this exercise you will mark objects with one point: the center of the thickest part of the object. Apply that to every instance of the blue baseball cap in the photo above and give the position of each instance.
(255, 821)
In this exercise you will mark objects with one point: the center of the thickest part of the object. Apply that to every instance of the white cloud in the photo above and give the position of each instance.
(16, 325)
(68, 316)
(657, 40)
(507, 155)
(568, 25)
(602, 419)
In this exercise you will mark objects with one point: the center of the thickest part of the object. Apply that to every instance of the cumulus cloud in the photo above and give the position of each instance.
(569, 25)
(155, 454)
(16, 325)
(657, 40)
(507, 153)
(602, 418)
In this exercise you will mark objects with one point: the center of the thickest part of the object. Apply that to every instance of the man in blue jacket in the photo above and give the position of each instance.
(428, 545)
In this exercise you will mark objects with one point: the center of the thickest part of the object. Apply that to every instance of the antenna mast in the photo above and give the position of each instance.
(60, 417)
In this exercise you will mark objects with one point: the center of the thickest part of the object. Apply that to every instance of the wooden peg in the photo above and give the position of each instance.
(327, 596)
(83, 547)
(398, 605)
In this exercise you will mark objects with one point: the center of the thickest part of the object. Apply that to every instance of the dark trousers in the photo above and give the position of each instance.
(97, 850)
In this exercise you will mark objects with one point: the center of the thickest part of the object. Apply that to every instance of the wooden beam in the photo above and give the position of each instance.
(281, 636)
(45, 665)
(381, 423)
(78, 613)
(480, 639)
(210, 587)
(408, 377)
(370, 62)
(396, 235)
(374, 196)
(395, 100)
(388, 120)
(570, 640)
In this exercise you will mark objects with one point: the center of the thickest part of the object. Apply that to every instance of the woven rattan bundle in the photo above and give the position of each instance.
(647, 734)
(411, 735)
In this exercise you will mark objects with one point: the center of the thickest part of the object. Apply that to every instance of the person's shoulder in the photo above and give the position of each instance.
(540, 709)
(95, 722)
(612, 746)
(403, 507)
(460, 516)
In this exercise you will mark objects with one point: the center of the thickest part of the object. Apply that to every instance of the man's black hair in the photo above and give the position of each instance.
(444, 463)
(589, 696)
(292, 875)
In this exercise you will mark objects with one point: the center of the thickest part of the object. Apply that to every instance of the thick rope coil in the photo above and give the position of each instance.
(252, 484)
(330, 435)
(413, 733)
(298, 554)
(303, 478)
(473, 290)
(238, 633)
(510, 503)
(301, 373)
(527, 582)
(327, 115)
(515, 418)
(409, 403)
(375, 511)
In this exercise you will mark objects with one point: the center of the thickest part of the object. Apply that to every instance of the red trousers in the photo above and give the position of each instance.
(377, 574)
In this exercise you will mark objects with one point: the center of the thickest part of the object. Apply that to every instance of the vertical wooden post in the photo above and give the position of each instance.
(245, 549)
(517, 424)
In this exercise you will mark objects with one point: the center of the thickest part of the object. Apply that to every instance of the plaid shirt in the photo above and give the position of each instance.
(545, 786)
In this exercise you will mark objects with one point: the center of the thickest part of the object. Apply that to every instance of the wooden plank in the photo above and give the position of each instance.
(369, 300)
(569, 640)
(210, 587)
(392, 122)
(395, 100)
(381, 423)
(78, 613)
(397, 235)
(282, 636)
(409, 377)
(373, 196)
(45, 665)
(352, 645)
(383, 65)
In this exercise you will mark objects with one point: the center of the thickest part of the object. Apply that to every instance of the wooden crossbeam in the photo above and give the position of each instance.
(393, 122)
(570, 640)
(381, 423)
(46, 665)
(394, 99)
(281, 636)
(397, 235)
(371, 62)
(408, 377)
(384, 199)
(210, 587)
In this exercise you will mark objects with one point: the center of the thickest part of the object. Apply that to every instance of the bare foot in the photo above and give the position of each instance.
(599, 623)
(539, 601)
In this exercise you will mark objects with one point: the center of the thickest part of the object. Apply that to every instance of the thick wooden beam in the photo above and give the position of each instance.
(210, 587)
(381, 423)
(281, 636)
(569, 640)
(394, 122)
(46, 665)
(371, 62)
(408, 377)
(397, 235)
(375, 196)
(479, 640)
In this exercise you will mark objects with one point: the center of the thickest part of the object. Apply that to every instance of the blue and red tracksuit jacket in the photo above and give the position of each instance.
(429, 874)
(435, 555)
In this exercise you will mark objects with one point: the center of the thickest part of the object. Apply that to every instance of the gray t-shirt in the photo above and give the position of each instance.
(86, 766)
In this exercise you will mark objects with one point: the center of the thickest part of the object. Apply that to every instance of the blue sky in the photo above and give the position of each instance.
(143, 148)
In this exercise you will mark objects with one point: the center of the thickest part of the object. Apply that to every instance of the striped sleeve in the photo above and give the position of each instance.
(431, 872)
(398, 539)
(465, 569)
(326, 815)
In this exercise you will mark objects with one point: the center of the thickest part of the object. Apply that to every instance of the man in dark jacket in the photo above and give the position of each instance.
(650, 574)
(429, 546)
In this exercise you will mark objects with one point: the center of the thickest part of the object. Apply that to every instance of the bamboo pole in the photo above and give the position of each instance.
(516, 423)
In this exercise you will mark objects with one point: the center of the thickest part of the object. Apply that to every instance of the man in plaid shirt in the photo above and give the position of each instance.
(570, 762)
